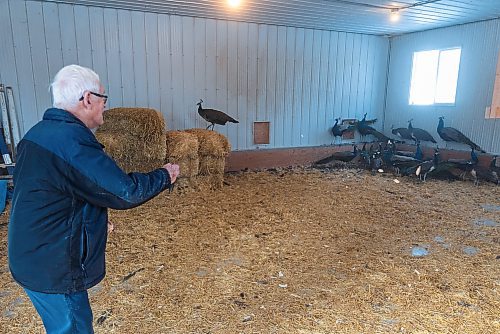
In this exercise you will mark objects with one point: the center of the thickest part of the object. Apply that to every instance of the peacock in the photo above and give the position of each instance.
(452, 134)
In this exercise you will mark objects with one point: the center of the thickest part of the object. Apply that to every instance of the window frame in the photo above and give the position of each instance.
(439, 104)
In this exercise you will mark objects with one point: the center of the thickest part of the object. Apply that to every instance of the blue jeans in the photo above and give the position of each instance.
(63, 313)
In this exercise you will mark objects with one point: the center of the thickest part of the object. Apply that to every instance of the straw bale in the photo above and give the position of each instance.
(153, 150)
(112, 145)
(211, 142)
(133, 154)
(134, 137)
(182, 149)
(181, 145)
(141, 166)
(145, 123)
(188, 172)
(210, 165)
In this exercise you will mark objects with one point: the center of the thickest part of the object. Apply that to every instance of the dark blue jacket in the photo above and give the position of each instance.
(63, 185)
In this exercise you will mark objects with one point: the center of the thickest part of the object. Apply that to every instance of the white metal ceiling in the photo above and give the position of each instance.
(358, 16)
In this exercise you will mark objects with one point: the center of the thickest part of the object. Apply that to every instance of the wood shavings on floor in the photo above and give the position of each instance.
(296, 251)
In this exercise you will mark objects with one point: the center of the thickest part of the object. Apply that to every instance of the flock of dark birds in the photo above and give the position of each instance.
(448, 134)
(384, 155)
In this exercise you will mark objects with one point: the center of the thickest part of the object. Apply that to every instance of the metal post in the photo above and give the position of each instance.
(13, 121)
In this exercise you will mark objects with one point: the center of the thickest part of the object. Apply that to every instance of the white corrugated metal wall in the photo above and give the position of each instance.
(298, 79)
(480, 43)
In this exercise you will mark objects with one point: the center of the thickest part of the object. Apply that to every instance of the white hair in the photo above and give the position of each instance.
(70, 83)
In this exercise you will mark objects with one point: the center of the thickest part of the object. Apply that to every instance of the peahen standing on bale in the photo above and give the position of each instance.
(452, 134)
(419, 134)
(214, 116)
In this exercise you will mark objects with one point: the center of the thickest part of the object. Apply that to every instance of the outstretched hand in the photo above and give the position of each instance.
(173, 170)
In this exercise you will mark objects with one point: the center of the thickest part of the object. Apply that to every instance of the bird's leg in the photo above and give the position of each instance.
(208, 126)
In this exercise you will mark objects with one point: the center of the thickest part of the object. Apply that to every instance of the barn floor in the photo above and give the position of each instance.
(297, 251)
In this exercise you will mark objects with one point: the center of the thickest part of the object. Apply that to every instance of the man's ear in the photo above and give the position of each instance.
(86, 99)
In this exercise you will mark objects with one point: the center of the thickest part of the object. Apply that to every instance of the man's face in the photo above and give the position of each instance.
(96, 109)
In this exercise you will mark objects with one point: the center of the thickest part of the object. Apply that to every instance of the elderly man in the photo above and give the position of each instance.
(63, 185)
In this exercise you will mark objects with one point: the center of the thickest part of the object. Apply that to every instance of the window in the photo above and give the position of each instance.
(434, 76)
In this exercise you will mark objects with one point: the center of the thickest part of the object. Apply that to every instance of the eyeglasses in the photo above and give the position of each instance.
(105, 97)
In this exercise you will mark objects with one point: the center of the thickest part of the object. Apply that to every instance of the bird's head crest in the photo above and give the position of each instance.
(199, 103)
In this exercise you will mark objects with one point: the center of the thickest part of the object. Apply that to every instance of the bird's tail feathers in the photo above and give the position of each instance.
(477, 148)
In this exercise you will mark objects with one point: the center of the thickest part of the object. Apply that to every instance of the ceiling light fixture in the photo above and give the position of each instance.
(233, 3)
(395, 15)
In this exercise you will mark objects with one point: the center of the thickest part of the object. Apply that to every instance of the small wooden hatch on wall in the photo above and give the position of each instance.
(260, 133)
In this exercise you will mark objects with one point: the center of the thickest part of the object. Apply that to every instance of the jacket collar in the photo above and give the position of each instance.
(55, 114)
